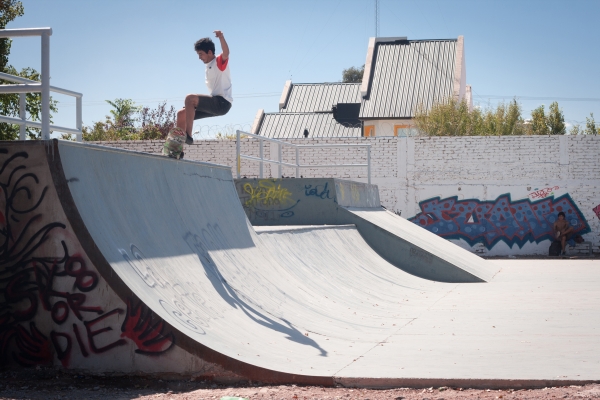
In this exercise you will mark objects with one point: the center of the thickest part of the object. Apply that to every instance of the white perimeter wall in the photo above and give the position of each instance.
(410, 172)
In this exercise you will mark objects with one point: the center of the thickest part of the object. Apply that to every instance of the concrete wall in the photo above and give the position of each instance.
(56, 307)
(435, 180)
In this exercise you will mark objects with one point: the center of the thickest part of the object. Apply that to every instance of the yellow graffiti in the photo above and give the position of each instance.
(267, 193)
(355, 193)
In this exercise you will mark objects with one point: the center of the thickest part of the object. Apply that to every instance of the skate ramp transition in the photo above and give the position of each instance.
(129, 262)
(328, 201)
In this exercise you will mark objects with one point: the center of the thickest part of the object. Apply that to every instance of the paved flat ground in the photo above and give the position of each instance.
(44, 385)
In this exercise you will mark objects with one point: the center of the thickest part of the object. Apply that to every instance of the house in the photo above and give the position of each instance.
(400, 76)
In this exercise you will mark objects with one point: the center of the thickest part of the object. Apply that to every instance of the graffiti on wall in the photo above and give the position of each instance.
(34, 274)
(265, 199)
(542, 193)
(319, 191)
(597, 210)
(489, 222)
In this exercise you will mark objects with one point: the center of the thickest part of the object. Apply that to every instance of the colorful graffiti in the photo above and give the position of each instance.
(267, 200)
(597, 210)
(489, 222)
(542, 193)
(34, 275)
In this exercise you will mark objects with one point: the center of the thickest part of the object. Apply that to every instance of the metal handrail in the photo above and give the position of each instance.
(24, 86)
(261, 159)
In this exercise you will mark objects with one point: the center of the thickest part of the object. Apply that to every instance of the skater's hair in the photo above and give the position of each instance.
(205, 44)
(562, 213)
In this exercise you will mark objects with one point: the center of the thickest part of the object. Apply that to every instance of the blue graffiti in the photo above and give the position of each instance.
(320, 191)
(270, 214)
(489, 222)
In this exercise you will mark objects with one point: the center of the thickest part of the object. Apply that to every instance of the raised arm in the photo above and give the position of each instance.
(224, 46)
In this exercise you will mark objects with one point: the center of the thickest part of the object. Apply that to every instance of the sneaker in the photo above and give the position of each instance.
(564, 253)
(188, 139)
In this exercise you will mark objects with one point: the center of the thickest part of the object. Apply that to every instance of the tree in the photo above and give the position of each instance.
(156, 123)
(131, 122)
(538, 122)
(590, 125)
(556, 120)
(576, 130)
(9, 103)
(353, 75)
(9, 10)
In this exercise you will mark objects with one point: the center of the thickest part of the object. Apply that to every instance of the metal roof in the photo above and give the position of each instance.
(311, 97)
(318, 124)
(407, 73)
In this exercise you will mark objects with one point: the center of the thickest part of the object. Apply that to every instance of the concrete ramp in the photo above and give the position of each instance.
(418, 251)
(323, 201)
(115, 261)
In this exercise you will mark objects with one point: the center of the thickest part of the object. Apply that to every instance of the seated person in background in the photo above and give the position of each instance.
(562, 231)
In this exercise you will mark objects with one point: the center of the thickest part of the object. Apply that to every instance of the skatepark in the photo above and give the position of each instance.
(120, 261)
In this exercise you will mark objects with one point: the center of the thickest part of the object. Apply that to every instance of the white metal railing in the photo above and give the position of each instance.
(24, 86)
(261, 159)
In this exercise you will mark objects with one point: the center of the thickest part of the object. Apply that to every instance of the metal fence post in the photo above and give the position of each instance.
(237, 152)
(262, 157)
(23, 116)
(369, 165)
(297, 162)
(279, 159)
(79, 118)
(45, 86)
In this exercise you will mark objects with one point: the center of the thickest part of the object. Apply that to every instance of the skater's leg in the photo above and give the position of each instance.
(198, 106)
(181, 119)
(191, 102)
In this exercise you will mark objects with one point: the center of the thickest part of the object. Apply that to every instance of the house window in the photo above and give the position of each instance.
(404, 130)
(369, 130)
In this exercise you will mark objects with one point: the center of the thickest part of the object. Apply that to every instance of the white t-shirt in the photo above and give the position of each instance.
(218, 78)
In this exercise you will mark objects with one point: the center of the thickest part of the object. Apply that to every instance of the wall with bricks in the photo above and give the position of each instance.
(492, 195)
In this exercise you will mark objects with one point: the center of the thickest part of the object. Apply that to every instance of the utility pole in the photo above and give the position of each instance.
(376, 18)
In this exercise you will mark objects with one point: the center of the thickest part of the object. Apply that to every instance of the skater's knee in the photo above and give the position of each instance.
(191, 100)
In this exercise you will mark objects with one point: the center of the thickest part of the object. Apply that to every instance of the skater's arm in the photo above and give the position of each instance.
(224, 46)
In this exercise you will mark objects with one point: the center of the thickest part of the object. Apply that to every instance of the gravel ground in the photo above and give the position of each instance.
(50, 384)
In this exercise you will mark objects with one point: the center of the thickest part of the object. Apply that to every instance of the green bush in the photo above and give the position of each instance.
(453, 118)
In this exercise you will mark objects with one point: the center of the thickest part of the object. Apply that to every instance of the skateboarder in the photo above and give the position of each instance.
(218, 81)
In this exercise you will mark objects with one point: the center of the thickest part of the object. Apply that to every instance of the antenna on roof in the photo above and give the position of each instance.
(376, 18)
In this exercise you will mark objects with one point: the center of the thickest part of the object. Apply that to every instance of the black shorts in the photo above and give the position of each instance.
(211, 107)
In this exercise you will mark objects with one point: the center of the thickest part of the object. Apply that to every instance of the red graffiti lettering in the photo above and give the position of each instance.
(91, 334)
(79, 341)
(63, 353)
(543, 193)
(60, 312)
(85, 280)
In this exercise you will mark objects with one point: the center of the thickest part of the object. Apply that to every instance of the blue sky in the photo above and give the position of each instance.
(143, 49)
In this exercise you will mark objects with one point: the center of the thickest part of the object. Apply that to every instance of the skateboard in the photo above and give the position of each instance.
(173, 147)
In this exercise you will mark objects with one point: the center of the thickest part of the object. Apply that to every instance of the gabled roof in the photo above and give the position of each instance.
(400, 74)
(315, 97)
(293, 125)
